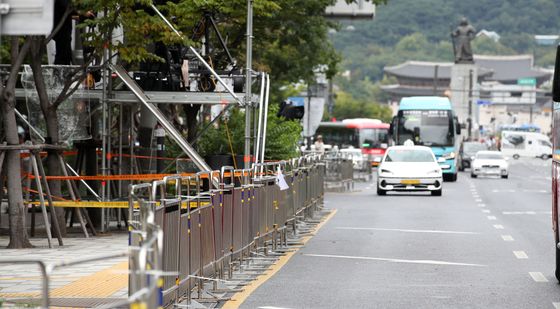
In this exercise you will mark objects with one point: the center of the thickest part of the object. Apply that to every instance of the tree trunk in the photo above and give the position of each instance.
(51, 119)
(18, 233)
(191, 111)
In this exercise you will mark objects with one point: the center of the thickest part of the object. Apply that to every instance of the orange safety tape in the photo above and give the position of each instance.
(110, 155)
(44, 153)
(37, 192)
(127, 176)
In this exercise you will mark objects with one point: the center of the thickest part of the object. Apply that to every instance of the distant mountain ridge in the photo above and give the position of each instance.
(420, 30)
(436, 18)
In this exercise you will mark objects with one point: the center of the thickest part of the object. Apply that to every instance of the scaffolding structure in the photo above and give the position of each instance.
(117, 151)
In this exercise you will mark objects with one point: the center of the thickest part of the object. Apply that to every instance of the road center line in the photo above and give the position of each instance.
(520, 254)
(478, 200)
(507, 238)
(491, 217)
(538, 277)
(481, 205)
(498, 226)
(403, 230)
(429, 262)
(486, 211)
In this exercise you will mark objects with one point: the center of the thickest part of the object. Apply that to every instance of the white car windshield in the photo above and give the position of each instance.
(490, 156)
(409, 155)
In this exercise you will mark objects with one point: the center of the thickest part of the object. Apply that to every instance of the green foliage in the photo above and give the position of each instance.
(346, 106)
(282, 136)
(281, 141)
(487, 46)
(420, 30)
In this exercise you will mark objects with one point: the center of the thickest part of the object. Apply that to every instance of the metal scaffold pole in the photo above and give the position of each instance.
(104, 137)
(248, 82)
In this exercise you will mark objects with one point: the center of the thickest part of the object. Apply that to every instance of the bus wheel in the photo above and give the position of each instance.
(557, 272)
(453, 177)
(436, 192)
(516, 156)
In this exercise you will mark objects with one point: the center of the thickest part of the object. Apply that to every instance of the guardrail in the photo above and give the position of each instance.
(214, 220)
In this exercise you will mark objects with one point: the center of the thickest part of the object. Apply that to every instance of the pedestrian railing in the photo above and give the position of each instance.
(214, 220)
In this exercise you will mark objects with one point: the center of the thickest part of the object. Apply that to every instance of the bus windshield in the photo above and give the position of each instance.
(426, 127)
(339, 136)
(373, 138)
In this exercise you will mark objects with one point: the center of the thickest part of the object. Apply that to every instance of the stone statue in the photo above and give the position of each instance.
(462, 37)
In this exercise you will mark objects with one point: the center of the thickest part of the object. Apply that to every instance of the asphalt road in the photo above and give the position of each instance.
(486, 243)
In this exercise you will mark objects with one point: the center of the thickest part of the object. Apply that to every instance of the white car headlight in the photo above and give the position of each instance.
(447, 156)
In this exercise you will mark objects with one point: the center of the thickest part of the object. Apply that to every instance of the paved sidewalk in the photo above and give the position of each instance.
(102, 279)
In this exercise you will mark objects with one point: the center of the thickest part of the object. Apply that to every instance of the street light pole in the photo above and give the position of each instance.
(248, 82)
(470, 104)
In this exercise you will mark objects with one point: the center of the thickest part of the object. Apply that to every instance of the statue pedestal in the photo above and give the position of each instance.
(460, 75)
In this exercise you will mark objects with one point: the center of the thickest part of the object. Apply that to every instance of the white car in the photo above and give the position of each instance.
(489, 163)
(409, 168)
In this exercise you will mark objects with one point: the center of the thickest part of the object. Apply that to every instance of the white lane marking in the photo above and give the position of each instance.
(530, 212)
(403, 230)
(481, 205)
(498, 226)
(507, 238)
(556, 305)
(491, 218)
(429, 262)
(486, 211)
(503, 191)
(538, 277)
(520, 254)
(478, 200)
(519, 191)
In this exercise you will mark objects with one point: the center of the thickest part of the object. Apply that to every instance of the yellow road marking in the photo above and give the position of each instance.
(238, 298)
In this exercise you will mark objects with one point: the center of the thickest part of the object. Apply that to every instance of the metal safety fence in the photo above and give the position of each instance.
(145, 257)
(214, 220)
(339, 171)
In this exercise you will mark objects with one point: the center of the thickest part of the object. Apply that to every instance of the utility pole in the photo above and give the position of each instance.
(436, 69)
(470, 103)
(248, 82)
(308, 114)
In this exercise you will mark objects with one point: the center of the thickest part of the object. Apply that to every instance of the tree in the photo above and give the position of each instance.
(347, 106)
(18, 233)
